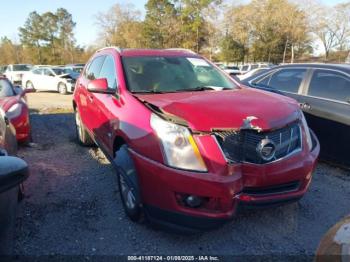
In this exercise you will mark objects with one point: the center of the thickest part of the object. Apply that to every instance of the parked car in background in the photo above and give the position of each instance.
(13, 103)
(232, 70)
(248, 67)
(323, 92)
(252, 72)
(13, 171)
(2, 70)
(15, 72)
(188, 142)
(75, 67)
(50, 79)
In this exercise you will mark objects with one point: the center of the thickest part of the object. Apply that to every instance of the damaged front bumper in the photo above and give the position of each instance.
(223, 188)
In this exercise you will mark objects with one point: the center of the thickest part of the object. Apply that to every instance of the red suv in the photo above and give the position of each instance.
(188, 142)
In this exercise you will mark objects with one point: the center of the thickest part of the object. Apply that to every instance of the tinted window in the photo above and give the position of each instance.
(330, 84)
(287, 80)
(254, 67)
(6, 88)
(21, 67)
(58, 71)
(48, 72)
(94, 68)
(37, 71)
(108, 71)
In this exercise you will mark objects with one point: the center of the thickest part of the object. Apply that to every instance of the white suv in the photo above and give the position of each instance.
(15, 72)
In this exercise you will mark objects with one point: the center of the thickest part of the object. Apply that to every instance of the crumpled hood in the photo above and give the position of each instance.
(231, 109)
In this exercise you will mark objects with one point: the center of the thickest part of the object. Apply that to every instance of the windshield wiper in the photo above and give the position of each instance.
(147, 92)
(203, 88)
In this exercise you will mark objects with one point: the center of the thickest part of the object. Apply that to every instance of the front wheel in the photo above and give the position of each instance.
(128, 185)
(62, 88)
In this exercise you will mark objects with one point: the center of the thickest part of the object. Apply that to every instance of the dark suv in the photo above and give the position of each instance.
(189, 143)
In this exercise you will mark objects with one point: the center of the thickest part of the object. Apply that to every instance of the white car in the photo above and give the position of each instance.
(14, 73)
(49, 79)
(248, 67)
(232, 70)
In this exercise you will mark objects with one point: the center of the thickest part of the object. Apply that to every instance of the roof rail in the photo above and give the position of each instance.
(108, 47)
(182, 49)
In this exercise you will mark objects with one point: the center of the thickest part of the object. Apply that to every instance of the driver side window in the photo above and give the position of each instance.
(108, 71)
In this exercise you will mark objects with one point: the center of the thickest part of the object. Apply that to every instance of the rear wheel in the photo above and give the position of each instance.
(62, 88)
(128, 185)
(82, 135)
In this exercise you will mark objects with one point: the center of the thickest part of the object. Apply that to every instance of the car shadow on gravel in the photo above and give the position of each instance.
(72, 207)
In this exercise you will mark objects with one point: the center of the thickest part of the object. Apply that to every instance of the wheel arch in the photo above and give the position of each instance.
(118, 142)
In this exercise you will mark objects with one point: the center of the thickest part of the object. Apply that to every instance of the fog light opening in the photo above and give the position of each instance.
(193, 201)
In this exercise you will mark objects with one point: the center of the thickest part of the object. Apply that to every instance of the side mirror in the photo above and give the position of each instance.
(13, 171)
(100, 85)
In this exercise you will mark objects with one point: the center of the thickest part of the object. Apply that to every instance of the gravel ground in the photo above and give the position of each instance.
(72, 205)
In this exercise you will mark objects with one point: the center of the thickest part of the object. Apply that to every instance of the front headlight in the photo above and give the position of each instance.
(307, 131)
(14, 111)
(179, 147)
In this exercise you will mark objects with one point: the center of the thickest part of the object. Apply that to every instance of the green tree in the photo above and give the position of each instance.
(193, 22)
(231, 50)
(49, 37)
(161, 25)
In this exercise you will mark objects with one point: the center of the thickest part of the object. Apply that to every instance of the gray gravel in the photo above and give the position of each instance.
(73, 208)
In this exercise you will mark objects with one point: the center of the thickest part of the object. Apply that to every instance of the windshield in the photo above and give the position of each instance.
(59, 71)
(173, 74)
(6, 88)
(21, 67)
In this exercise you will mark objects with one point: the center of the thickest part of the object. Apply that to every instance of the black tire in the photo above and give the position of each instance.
(62, 88)
(128, 185)
(29, 85)
(83, 136)
(21, 193)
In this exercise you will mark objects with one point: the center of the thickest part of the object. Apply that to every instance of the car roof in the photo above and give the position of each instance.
(342, 67)
(153, 52)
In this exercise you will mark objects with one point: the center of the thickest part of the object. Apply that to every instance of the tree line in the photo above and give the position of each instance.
(261, 30)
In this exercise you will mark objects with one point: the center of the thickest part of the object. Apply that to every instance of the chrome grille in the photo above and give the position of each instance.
(241, 146)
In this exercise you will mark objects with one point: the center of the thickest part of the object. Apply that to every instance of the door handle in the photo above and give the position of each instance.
(305, 106)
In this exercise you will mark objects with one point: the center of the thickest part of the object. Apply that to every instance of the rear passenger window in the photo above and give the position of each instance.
(94, 68)
(287, 80)
(108, 71)
(330, 84)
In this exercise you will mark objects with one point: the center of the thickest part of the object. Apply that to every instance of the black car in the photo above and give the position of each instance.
(13, 171)
(323, 92)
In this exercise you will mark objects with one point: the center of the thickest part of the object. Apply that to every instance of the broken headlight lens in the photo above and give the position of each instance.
(307, 131)
(179, 148)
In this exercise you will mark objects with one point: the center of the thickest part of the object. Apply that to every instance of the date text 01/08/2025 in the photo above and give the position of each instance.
(173, 258)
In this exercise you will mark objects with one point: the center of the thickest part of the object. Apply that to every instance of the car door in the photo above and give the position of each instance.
(49, 80)
(86, 98)
(288, 81)
(328, 113)
(104, 121)
(36, 78)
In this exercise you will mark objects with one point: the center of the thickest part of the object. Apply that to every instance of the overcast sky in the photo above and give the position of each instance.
(13, 14)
